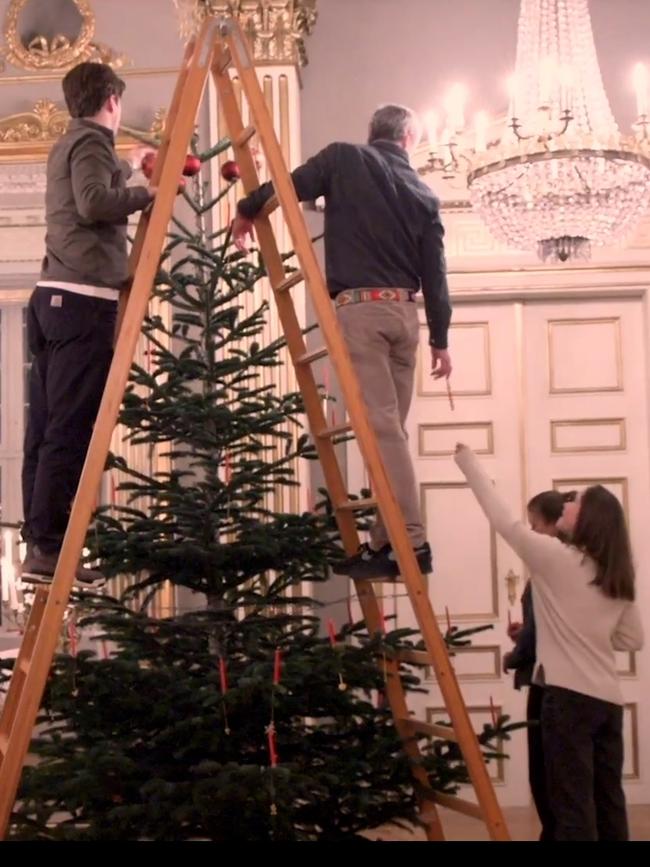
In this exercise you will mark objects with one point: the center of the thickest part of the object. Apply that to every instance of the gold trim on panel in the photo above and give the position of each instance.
(522, 428)
(613, 320)
(421, 392)
(493, 674)
(58, 53)
(441, 714)
(470, 425)
(636, 764)
(588, 422)
(285, 120)
(267, 87)
(587, 482)
(467, 616)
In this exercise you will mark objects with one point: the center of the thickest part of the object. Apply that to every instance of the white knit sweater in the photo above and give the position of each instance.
(578, 627)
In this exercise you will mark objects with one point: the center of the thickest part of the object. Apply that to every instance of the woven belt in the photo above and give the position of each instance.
(354, 296)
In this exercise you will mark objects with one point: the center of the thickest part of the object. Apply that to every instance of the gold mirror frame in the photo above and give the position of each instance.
(59, 53)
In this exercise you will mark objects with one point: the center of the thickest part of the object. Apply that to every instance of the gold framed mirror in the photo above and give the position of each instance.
(52, 35)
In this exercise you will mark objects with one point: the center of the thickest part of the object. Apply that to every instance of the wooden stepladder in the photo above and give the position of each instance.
(221, 48)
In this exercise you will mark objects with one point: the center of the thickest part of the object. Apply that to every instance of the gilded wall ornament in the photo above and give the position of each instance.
(59, 52)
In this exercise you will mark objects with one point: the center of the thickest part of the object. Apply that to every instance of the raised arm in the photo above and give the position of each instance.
(535, 549)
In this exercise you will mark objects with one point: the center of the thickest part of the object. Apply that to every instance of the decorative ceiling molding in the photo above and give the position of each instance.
(276, 28)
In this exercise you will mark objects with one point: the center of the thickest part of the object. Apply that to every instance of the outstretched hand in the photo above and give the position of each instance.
(242, 228)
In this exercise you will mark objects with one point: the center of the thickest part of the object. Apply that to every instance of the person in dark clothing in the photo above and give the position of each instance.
(383, 244)
(72, 311)
(544, 511)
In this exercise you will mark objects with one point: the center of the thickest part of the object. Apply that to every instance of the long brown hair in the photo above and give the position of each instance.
(601, 533)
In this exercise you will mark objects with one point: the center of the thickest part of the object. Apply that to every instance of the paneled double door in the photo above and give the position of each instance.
(550, 395)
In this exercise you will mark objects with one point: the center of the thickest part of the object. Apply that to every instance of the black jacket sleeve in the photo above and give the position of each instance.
(435, 291)
(310, 180)
(524, 651)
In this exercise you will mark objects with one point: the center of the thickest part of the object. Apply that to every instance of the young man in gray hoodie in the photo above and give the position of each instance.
(72, 311)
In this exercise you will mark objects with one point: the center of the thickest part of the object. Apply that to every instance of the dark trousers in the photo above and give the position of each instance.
(536, 766)
(71, 339)
(583, 751)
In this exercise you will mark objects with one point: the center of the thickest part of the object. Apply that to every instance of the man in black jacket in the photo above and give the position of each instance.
(71, 313)
(383, 244)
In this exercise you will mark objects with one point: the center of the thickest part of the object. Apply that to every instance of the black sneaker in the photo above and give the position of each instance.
(383, 564)
(38, 568)
(365, 553)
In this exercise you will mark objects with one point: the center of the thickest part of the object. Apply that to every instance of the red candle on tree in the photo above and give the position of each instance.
(277, 666)
(332, 632)
(273, 753)
(223, 675)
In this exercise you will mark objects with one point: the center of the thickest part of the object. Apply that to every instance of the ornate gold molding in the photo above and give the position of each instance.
(58, 53)
(276, 28)
(45, 122)
(28, 136)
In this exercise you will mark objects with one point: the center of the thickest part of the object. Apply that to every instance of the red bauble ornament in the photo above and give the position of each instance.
(147, 164)
(192, 166)
(230, 171)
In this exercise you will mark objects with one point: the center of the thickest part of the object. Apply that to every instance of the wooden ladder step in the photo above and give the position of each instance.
(433, 730)
(311, 357)
(357, 505)
(244, 136)
(334, 431)
(414, 657)
(272, 205)
(291, 281)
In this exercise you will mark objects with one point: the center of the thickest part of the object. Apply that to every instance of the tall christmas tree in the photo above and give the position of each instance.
(235, 719)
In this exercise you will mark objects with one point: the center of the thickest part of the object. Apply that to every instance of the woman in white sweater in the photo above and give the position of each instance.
(583, 596)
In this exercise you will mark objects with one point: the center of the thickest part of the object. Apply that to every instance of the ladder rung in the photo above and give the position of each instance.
(269, 207)
(434, 730)
(291, 281)
(415, 657)
(244, 136)
(358, 505)
(459, 805)
(335, 430)
(311, 357)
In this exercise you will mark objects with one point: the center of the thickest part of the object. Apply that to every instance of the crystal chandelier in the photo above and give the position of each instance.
(556, 176)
